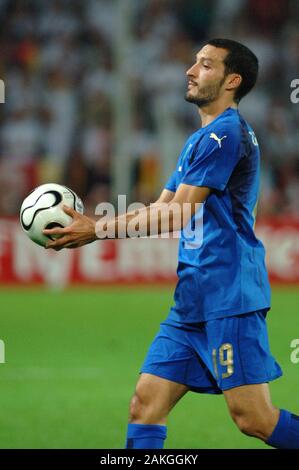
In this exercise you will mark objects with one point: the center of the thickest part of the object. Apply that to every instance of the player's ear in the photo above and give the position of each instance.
(233, 81)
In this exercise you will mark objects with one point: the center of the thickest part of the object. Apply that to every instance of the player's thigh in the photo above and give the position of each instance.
(252, 406)
(158, 393)
(248, 398)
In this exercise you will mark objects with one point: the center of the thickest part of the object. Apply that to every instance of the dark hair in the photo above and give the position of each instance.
(240, 60)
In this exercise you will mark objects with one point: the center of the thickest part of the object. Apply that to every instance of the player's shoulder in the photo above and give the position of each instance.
(228, 123)
(224, 133)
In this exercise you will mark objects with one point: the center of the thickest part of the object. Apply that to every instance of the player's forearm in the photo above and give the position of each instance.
(155, 219)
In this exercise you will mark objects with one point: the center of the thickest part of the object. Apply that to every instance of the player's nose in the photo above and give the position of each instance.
(191, 72)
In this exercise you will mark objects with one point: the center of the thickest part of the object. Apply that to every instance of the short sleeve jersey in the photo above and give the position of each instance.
(226, 261)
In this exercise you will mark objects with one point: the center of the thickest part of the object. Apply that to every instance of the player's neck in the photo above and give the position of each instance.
(210, 112)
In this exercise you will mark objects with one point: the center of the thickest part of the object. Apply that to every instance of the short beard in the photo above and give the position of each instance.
(209, 94)
(199, 101)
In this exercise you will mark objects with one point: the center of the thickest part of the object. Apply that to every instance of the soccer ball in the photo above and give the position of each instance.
(42, 209)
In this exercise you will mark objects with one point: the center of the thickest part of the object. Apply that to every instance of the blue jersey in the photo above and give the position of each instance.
(222, 270)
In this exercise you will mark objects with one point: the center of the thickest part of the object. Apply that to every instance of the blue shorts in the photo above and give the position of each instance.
(213, 356)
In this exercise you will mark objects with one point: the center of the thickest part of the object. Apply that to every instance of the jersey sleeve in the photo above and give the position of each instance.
(171, 183)
(215, 158)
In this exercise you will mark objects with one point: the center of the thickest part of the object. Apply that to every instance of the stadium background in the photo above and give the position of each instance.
(94, 100)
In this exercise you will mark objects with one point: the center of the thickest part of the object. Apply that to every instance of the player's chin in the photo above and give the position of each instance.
(191, 97)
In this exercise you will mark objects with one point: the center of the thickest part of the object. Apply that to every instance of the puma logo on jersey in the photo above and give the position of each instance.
(218, 139)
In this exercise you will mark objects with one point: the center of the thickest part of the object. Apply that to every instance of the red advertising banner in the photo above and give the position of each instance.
(128, 261)
(281, 240)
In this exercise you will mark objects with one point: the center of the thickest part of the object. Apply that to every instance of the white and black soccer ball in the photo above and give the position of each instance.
(42, 209)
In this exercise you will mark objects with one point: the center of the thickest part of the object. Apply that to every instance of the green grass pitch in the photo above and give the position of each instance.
(72, 360)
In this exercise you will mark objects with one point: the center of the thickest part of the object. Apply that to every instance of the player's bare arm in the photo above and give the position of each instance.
(169, 213)
(84, 227)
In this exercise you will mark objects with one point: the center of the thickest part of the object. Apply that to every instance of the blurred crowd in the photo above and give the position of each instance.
(58, 63)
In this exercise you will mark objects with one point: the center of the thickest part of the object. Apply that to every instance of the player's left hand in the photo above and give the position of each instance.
(79, 233)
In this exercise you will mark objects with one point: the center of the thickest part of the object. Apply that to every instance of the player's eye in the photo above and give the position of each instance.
(206, 66)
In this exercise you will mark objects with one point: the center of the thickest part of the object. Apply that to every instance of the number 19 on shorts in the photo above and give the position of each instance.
(224, 355)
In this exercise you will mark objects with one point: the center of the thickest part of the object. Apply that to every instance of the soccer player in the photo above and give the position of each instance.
(214, 339)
